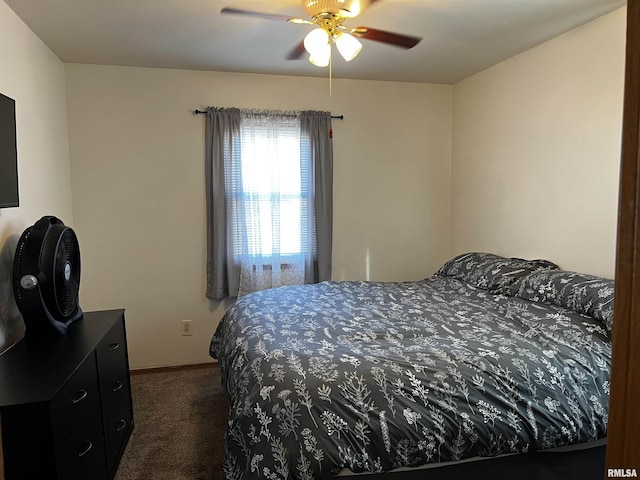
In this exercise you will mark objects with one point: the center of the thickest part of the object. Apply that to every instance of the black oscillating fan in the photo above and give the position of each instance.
(46, 277)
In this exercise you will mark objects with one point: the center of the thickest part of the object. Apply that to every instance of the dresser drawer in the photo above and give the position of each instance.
(115, 387)
(78, 435)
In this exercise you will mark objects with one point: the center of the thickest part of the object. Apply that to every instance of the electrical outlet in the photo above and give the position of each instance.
(186, 328)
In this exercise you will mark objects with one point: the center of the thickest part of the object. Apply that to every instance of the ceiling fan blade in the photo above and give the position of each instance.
(267, 16)
(397, 39)
(297, 52)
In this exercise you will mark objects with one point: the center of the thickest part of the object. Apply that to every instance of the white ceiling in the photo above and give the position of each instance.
(460, 37)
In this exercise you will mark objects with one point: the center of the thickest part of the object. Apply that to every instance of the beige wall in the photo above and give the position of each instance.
(536, 151)
(533, 171)
(34, 77)
(137, 156)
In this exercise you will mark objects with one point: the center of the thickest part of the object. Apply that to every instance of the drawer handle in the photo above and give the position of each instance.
(121, 424)
(79, 396)
(114, 346)
(117, 386)
(87, 446)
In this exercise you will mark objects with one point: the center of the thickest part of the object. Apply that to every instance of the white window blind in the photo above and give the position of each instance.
(270, 202)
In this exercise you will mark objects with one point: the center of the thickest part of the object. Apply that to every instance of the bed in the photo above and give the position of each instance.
(491, 359)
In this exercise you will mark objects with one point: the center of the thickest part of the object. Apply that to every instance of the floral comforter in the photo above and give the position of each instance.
(373, 376)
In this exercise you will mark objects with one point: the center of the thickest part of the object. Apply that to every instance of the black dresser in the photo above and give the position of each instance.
(65, 404)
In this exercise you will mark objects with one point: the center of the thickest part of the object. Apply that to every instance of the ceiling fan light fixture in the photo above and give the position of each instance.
(317, 41)
(348, 46)
(320, 58)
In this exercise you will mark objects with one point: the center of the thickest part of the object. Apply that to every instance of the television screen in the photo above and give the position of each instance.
(8, 153)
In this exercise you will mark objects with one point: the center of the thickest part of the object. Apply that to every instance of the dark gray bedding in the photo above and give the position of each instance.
(374, 376)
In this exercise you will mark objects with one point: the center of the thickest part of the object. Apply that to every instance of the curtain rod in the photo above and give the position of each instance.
(202, 112)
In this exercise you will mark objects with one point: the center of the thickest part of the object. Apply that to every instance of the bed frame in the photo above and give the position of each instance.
(583, 464)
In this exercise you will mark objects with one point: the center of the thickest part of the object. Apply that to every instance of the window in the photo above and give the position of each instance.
(269, 182)
(271, 200)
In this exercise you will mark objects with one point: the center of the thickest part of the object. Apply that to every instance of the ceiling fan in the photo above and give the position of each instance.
(328, 16)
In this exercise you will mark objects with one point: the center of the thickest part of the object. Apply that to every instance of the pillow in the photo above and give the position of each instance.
(582, 293)
(491, 272)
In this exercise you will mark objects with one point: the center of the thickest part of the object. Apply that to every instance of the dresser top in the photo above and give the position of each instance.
(34, 371)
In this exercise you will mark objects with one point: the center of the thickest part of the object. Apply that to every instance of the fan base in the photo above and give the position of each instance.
(47, 327)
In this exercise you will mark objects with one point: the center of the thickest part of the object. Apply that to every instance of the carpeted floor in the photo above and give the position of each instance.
(180, 417)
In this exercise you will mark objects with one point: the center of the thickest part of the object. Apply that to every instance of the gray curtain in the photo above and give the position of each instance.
(222, 146)
(221, 131)
(317, 126)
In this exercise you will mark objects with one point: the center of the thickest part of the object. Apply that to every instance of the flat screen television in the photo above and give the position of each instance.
(8, 153)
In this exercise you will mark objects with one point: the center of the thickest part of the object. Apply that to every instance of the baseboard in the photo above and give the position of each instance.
(194, 366)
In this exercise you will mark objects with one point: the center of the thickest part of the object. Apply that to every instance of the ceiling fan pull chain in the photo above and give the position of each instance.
(330, 69)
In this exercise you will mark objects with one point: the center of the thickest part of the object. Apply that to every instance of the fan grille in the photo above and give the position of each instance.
(19, 260)
(59, 270)
(65, 273)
